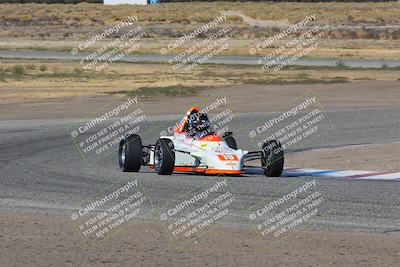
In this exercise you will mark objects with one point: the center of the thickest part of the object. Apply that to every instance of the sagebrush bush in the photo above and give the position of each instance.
(18, 70)
(43, 67)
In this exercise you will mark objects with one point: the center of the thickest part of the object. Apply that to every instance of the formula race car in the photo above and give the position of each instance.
(195, 148)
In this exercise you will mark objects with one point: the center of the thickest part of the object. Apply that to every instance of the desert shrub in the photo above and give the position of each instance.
(18, 70)
(340, 64)
(43, 67)
(2, 75)
(78, 71)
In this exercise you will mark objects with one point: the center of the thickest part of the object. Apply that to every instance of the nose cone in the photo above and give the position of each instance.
(226, 163)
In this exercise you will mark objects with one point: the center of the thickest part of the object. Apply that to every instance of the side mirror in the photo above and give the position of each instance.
(227, 134)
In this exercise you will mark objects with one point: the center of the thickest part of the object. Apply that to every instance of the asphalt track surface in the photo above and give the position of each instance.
(41, 171)
(230, 60)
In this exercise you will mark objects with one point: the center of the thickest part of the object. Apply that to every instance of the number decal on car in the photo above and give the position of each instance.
(228, 157)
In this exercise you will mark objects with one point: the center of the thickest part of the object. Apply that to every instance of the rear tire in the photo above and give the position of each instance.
(130, 153)
(230, 141)
(272, 158)
(164, 156)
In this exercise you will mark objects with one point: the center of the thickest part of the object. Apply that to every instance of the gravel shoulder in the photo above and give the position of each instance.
(42, 240)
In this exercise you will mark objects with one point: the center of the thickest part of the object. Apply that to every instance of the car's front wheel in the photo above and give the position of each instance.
(130, 153)
(272, 158)
(164, 156)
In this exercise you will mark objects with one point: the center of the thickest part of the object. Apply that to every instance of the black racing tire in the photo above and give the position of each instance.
(272, 158)
(230, 141)
(164, 156)
(130, 155)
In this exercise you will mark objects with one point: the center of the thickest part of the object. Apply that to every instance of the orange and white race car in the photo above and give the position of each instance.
(195, 148)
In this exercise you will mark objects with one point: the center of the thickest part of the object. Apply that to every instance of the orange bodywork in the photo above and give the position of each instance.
(212, 138)
(181, 127)
(227, 172)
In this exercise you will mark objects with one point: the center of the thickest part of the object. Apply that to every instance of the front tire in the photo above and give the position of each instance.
(130, 153)
(164, 156)
(272, 158)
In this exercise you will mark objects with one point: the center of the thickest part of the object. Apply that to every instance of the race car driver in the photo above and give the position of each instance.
(198, 125)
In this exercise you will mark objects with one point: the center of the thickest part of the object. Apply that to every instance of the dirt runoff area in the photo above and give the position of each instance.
(41, 240)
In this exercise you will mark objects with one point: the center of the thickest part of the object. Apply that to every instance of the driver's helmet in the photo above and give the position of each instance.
(198, 125)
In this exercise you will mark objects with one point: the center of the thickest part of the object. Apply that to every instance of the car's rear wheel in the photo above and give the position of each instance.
(130, 153)
(272, 158)
(230, 141)
(164, 156)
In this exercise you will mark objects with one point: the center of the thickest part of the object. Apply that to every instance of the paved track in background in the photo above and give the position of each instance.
(41, 170)
(230, 60)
